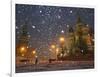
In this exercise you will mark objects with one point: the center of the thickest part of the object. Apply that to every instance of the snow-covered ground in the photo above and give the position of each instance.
(56, 65)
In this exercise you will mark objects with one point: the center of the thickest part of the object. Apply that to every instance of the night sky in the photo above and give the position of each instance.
(47, 23)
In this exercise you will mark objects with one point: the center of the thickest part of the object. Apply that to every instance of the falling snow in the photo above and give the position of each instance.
(49, 22)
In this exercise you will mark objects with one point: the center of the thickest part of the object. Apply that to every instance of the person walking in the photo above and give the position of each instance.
(36, 60)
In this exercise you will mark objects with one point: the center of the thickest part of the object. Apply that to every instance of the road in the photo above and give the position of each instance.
(56, 65)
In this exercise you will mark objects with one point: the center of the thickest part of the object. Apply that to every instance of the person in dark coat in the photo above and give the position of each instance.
(36, 60)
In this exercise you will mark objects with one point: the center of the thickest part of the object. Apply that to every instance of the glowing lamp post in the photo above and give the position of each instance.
(55, 49)
(62, 39)
(33, 55)
(22, 50)
(34, 52)
(53, 46)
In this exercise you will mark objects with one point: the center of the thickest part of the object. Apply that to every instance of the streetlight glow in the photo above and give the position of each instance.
(53, 46)
(22, 49)
(62, 39)
(57, 50)
(34, 52)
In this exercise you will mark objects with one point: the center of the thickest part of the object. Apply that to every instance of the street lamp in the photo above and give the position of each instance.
(22, 48)
(34, 52)
(57, 50)
(62, 39)
(22, 51)
(53, 46)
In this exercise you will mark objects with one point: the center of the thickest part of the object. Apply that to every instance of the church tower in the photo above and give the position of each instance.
(23, 41)
(81, 34)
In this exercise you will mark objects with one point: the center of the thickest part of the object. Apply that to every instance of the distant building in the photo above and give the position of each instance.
(22, 45)
(77, 41)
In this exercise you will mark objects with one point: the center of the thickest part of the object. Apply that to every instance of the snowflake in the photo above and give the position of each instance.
(16, 27)
(62, 31)
(38, 30)
(71, 11)
(33, 27)
(67, 25)
(59, 16)
(40, 11)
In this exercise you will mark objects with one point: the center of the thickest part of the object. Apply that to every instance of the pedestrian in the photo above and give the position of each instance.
(49, 60)
(36, 60)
